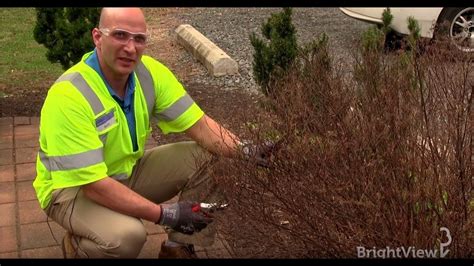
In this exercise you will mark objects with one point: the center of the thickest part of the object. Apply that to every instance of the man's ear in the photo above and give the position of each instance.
(96, 36)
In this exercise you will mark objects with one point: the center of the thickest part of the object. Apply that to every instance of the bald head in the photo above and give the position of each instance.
(128, 18)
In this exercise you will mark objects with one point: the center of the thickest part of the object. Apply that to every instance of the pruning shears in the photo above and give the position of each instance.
(209, 207)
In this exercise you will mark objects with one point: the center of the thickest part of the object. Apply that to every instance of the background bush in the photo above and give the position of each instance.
(378, 157)
(66, 32)
(274, 55)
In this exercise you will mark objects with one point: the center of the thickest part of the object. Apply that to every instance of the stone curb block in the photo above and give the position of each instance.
(217, 62)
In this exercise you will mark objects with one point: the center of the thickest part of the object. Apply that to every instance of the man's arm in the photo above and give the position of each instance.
(214, 137)
(180, 216)
(116, 196)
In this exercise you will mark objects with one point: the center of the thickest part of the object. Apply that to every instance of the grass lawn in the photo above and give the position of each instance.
(23, 62)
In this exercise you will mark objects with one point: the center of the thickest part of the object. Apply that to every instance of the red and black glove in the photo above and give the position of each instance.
(185, 216)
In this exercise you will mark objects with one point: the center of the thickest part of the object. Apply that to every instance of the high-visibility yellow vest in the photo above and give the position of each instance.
(84, 135)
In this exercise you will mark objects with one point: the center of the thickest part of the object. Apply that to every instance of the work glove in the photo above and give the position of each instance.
(258, 153)
(185, 216)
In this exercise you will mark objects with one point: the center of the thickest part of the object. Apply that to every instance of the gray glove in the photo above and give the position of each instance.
(184, 216)
(258, 153)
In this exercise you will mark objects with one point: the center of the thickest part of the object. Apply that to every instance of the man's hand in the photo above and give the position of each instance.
(185, 217)
(259, 153)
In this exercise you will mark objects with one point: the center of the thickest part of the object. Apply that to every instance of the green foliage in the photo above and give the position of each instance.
(372, 40)
(414, 29)
(413, 50)
(274, 56)
(369, 66)
(66, 32)
(318, 50)
(387, 19)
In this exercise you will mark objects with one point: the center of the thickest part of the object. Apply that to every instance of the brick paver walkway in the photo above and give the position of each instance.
(24, 230)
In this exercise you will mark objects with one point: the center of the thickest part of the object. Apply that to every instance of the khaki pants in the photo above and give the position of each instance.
(159, 175)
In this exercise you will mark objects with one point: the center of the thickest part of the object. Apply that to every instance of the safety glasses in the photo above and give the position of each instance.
(123, 36)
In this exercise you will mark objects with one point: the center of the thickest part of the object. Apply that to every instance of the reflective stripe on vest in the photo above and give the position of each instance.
(146, 81)
(176, 109)
(73, 161)
(80, 83)
(92, 157)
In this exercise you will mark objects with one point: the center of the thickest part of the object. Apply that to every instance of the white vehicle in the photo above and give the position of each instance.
(459, 21)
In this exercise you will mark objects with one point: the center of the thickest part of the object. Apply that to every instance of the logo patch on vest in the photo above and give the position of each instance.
(105, 121)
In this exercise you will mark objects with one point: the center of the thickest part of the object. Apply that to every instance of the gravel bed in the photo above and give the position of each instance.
(229, 29)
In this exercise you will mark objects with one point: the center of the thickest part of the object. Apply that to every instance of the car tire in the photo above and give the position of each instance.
(457, 24)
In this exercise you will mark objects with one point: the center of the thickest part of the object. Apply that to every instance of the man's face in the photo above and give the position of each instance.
(120, 44)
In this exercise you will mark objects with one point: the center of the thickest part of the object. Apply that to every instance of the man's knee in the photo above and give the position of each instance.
(127, 241)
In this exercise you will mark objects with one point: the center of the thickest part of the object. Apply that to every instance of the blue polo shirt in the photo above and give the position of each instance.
(126, 104)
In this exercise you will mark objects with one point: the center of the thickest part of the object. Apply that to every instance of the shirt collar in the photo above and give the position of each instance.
(93, 61)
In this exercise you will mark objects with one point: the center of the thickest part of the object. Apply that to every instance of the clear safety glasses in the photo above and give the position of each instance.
(123, 36)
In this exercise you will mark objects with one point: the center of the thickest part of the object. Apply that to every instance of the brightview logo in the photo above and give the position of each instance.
(404, 252)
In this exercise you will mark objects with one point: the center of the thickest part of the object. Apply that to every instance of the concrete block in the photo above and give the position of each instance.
(26, 155)
(9, 255)
(217, 62)
(26, 130)
(8, 217)
(6, 120)
(6, 130)
(38, 235)
(35, 120)
(6, 142)
(8, 241)
(44, 253)
(25, 172)
(6, 156)
(7, 173)
(21, 120)
(7, 193)
(31, 212)
(26, 141)
(25, 191)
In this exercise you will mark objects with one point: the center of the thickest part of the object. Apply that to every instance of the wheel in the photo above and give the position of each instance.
(458, 25)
